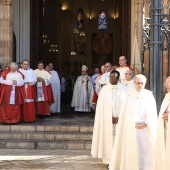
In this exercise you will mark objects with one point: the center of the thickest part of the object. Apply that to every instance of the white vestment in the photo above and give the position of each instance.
(129, 84)
(47, 80)
(29, 77)
(98, 86)
(55, 107)
(108, 106)
(105, 78)
(122, 71)
(162, 151)
(82, 98)
(9, 81)
(134, 148)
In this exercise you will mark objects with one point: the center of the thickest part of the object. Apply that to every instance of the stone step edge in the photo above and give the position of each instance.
(43, 128)
(46, 132)
(46, 145)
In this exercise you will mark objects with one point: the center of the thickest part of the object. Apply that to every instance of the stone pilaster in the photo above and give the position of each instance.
(5, 32)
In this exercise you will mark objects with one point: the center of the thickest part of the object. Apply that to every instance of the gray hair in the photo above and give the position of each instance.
(140, 76)
(14, 64)
(131, 72)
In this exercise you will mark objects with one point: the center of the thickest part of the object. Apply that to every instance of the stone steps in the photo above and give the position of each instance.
(50, 136)
(59, 134)
(45, 144)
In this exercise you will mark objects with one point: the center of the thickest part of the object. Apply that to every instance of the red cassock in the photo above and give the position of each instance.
(28, 113)
(95, 96)
(43, 107)
(10, 113)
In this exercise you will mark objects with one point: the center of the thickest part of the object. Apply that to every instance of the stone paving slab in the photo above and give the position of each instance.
(46, 160)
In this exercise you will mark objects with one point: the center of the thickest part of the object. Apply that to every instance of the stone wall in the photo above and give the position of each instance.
(6, 34)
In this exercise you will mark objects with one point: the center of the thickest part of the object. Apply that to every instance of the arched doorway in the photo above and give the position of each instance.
(58, 24)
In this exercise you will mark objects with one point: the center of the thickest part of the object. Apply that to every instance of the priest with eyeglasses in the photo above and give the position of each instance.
(135, 140)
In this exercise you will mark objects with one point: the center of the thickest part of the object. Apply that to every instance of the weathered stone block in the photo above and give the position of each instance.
(75, 145)
(88, 145)
(13, 136)
(22, 128)
(19, 145)
(86, 136)
(40, 136)
(86, 128)
(5, 128)
(51, 145)
(55, 128)
(2, 144)
(67, 136)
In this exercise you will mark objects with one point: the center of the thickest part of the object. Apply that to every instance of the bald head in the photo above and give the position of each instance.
(167, 84)
(122, 61)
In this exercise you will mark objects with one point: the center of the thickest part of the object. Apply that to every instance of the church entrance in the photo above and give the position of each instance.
(68, 33)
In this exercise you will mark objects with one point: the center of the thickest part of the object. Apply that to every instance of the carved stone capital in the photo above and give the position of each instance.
(7, 2)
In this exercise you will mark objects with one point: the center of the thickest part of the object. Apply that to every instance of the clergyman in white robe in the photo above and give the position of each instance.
(55, 107)
(108, 106)
(162, 149)
(83, 92)
(134, 143)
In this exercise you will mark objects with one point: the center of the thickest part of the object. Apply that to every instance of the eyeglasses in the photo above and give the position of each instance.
(138, 83)
(111, 77)
(166, 83)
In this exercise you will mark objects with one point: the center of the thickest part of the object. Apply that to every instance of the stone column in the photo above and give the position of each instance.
(21, 27)
(6, 35)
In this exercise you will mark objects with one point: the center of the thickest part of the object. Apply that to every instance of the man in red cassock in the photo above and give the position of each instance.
(11, 96)
(44, 92)
(29, 88)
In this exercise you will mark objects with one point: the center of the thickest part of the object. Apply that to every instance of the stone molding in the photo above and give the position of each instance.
(7, 2)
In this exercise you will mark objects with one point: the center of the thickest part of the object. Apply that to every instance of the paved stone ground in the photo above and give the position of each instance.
(48, 159)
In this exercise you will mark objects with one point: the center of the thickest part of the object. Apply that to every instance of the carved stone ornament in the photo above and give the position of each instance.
(7, 2)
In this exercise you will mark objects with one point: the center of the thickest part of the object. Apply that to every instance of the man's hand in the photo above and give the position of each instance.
(115, 120)
(14, 82)
(40, 79)
(140, 125)
(165, 115)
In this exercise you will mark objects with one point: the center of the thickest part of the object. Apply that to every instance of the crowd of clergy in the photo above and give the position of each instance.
(26, 94)
(127, 133)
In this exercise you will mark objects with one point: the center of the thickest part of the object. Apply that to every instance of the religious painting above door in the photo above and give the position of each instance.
(80, 19)
(102, 48)
(102, 20)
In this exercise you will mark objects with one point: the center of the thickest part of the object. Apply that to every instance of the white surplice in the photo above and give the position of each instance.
(8, 81)
(82, 99)
(108, 106)
(29, 77)
(55, 107)
(129, 84)
(134, 148)
(162, 151)
(47, 80)
(105, 78)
